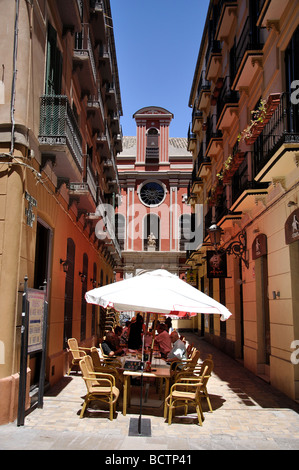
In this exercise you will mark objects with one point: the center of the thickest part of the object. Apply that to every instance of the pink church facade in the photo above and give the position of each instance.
(153, 220)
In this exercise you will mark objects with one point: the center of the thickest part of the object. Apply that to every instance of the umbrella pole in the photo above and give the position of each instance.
(146, 428)
(153, 340)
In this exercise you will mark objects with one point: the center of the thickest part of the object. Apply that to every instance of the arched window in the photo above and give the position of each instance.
(152, 146)
(151, 232)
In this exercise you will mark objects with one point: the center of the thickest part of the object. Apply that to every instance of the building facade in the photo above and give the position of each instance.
(244, 137)
(153, 220)
(60, 109)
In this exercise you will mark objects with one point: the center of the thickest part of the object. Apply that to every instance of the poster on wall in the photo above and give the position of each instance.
(216, 264)
(36, 299)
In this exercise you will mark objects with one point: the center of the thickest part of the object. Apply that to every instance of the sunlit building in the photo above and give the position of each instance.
(244, 137)
(153, 220)
(60, 109)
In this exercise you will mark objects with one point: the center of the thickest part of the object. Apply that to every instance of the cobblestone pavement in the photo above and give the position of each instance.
(248, 414)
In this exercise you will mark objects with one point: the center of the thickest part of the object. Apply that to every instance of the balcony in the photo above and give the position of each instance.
(228, 13)
(213, 136)
(245, 191)
(276, 148)
(118, 141)
(95, 111)
(59, 137)
(98, 20)
(271, 13)
(227, 106)
(108, 233)
(104, 142)
(111, 100)
(213, 59)
(249, 55)
(203, 92)
(197, 119)
(85, 192)
(84, 62)
(105, 61)
(191, 140)
(70, 14)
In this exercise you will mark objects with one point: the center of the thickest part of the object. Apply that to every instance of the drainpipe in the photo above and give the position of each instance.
(14, 78)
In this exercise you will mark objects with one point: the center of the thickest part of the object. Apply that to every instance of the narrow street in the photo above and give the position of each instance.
(249, 414)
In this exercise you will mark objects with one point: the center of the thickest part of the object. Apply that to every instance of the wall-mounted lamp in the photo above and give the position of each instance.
(83, 276)
(65, 265)
(276, 294)
(236, 248)
(292, 203)
(94, 282)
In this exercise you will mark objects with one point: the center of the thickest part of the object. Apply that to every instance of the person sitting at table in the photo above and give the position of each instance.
(148, 338)
(178, 351)
(135, 335)
(163, 340)
(117, 335)
(125, 333)
(109, 345)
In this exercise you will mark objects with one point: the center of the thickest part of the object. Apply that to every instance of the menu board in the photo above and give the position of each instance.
(36, 299)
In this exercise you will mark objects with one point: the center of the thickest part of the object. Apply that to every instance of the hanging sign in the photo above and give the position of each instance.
(259, 246)
(291, 227)
(216, 264)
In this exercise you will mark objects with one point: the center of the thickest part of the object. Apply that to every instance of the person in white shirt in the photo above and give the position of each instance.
(178, 351)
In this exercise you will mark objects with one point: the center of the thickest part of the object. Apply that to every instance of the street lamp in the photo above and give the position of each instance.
(236, 248)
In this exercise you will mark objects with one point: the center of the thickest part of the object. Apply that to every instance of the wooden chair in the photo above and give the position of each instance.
(189, 351)
(111, 359)
(103, 365)
(186, 365)
(100, 387)
(76, 351)
(189, 390)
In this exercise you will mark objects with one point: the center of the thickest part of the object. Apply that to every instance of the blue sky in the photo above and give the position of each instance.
(157, 44)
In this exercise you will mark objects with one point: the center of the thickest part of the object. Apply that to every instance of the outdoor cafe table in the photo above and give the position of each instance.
(160, 370)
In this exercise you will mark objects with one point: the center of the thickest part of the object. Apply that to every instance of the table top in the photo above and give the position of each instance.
(155, 372)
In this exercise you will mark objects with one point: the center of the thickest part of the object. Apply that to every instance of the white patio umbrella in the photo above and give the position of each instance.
(156, 291)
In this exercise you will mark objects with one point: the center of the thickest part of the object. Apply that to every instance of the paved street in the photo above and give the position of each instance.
(248, 414)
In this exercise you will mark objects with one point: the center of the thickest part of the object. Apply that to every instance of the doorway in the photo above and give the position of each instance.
(262, 316)
(43, 255)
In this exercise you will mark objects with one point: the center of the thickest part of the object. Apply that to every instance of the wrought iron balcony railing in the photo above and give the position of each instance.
(58, 125)
(282, 128)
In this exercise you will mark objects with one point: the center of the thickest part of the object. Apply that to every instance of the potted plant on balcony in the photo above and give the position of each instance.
(260, 117)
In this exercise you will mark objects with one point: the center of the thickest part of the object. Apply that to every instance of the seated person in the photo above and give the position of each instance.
(148, 338)
(117, 336)
(163, 340)
(109, 346)
(178, 351)
(125, 333)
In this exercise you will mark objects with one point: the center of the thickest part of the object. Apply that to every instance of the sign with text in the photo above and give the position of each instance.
(216, 264)
(36, 299)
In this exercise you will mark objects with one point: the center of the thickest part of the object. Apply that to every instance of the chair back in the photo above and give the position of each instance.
(205, 371)
(97, 362)
(194, 356)
(86, 373)
(73, 347)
